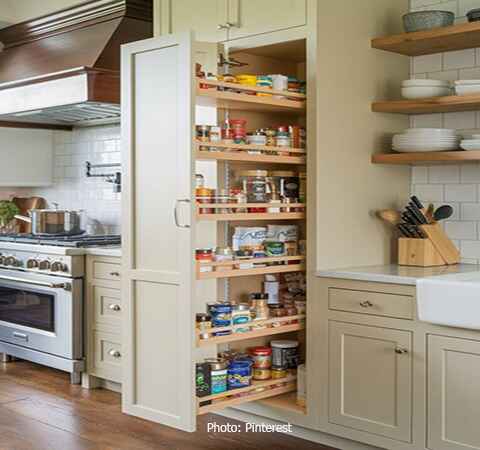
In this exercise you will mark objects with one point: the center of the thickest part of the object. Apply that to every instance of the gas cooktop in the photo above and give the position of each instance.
(74, 241)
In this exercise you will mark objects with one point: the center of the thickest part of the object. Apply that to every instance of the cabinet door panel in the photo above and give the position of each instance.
(157, 254)
(250, 17)
(453, 394)
(202, 17)
(370, 383)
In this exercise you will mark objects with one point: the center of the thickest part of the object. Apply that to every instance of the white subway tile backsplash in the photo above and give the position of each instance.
(470, 249)
(427, 63)
(461, 192)
(419, 174)
(427, 121)
(459, 59)
(466, 5)
(443, 174)
(429, 192)
(470, 211)
(469, 74)
(447, 75)
(469, 173)
(461, 230)
(460, 120)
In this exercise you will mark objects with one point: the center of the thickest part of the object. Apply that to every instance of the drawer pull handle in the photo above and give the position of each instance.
(114, 353)
(401, 351)
(114, 274)
(115, 307)
(366, 304)
(18, 335)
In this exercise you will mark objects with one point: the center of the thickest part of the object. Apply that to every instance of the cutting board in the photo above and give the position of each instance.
(25, 204)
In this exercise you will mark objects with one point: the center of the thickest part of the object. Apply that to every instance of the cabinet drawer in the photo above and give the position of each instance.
(107, 356)
(107, 306)
(106, 271)
(372, 303)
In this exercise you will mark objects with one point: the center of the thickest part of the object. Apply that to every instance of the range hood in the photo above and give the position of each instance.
(63, 69)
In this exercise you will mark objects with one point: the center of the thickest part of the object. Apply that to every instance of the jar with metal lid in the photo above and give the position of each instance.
(223, 255)
(204, 255)
(286, 183)
(218, 375)
(203, 323)
(278, 372)
(223, 196)
(203, 133)
(199, 181)
(276, 311)
(204, 196)
(241, 315)
(259, 307)
(285, 353)
(256, 185)
(262, 357)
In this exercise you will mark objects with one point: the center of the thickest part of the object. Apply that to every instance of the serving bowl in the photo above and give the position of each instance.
(426, 20)
(425, 92)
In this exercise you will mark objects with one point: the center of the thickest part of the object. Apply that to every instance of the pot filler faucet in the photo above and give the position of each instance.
(115, 177)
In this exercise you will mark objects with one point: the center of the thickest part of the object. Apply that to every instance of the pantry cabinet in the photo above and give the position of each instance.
(453, 393)
(371, 379)
(249, 17)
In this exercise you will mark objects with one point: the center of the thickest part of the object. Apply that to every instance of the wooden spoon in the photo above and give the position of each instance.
(429, 213)
(390, 215)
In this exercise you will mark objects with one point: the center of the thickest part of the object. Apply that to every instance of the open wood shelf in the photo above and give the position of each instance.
(240, 153)
(278, 325)
(237, 272)
(438, 40)
(257, 391)
(286, 401)
(450, 103)
(245, 100)
(426, 157)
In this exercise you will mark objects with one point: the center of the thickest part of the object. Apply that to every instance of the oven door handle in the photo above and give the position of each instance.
(66, 286)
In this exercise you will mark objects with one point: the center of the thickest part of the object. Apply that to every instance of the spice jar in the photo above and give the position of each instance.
(295, 135)
(256, 138)
(218, 375)
(204, 196)
(241, 315)
(278, 372)
(203, 133)
(270, 133)
(223, 197)
(256, 186)
(221, 314)
(286, 183)
(204, 254)
(203, 324)
(276, 311)
(223, 254)
(291, 310)
(259, 308)
(215, 134)
(285, 354)
(239, 130)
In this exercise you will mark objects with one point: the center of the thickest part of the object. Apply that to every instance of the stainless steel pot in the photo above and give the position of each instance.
(54, 222)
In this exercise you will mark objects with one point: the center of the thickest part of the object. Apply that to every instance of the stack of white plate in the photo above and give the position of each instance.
(413, 89)
(471, 144)
(426, 140)
(467, 87)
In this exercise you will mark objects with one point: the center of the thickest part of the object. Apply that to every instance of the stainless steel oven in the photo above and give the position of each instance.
(41, 319)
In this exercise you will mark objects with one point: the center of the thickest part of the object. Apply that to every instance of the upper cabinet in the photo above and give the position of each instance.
(224, 20)
(250, 17)
(26, 157)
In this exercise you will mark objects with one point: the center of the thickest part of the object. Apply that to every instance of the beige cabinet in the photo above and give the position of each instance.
(103, 316)
(453, 393)
(208, 18)
(250, 17)
(370, 373)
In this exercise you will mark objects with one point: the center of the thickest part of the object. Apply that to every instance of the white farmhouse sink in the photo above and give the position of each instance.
(452, 300)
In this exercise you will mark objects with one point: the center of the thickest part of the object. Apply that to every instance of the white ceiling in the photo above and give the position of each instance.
(14, 11)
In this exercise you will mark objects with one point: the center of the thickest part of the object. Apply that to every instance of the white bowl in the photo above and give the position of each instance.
(421, 149)
(425, 92)
(423, 139)
(467, 89)
(432, 131)
(470, 145)
(424, 82)
(466, 82)
(475, 136)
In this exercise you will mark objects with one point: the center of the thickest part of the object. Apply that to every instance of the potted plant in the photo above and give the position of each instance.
(8, 210)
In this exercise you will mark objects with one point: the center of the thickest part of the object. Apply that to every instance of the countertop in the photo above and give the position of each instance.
(396, 274)
(113, 250)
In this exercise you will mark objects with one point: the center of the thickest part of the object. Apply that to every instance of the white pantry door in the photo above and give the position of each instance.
(158, 255)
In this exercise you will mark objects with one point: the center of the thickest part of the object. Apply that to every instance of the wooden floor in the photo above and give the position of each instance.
(40, 410)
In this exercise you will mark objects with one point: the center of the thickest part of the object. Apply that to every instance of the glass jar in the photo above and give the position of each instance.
(215, 134)
(259, 307)
(239, 129)
(262, 357)
(286, 183)
(224, 255)
(285, 353)
(203, 133)
(278, 372)
(241, 315)
(204, 196)
(291, 310)
(276, 311)
(199, 181)
(256, 185)
(203, 324)
(223, 196)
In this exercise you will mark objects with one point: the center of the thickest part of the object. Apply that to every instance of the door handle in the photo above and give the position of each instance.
(175, 212)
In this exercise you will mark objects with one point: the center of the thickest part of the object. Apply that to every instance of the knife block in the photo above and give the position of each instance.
(435, 250)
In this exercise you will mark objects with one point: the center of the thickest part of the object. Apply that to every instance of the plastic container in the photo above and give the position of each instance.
(274, 248)
(287, 183)
(218, 375)
(239, 373)
(256, 186)
(285, 354)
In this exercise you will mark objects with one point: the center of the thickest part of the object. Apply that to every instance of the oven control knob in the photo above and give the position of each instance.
(2, 260)
(32, 263)
(11, 261)
(58, 266)
(44, 264)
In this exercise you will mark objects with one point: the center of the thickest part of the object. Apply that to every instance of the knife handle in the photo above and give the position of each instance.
(416, 202)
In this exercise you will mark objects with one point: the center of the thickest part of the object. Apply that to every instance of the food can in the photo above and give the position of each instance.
(241, 315)
(262, 357)
(239, 373)
(218, 375)
(221, 314)
(285, 354)
(202, 379)
(261, 374)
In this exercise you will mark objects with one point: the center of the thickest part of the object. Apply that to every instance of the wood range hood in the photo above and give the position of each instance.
(63, 69)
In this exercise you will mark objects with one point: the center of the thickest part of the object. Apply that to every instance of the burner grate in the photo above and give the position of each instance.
(79, 241)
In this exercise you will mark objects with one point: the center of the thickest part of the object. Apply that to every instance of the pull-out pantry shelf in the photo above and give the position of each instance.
(257, 391)
(278, 325)
(230, 269)
(288, 211)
